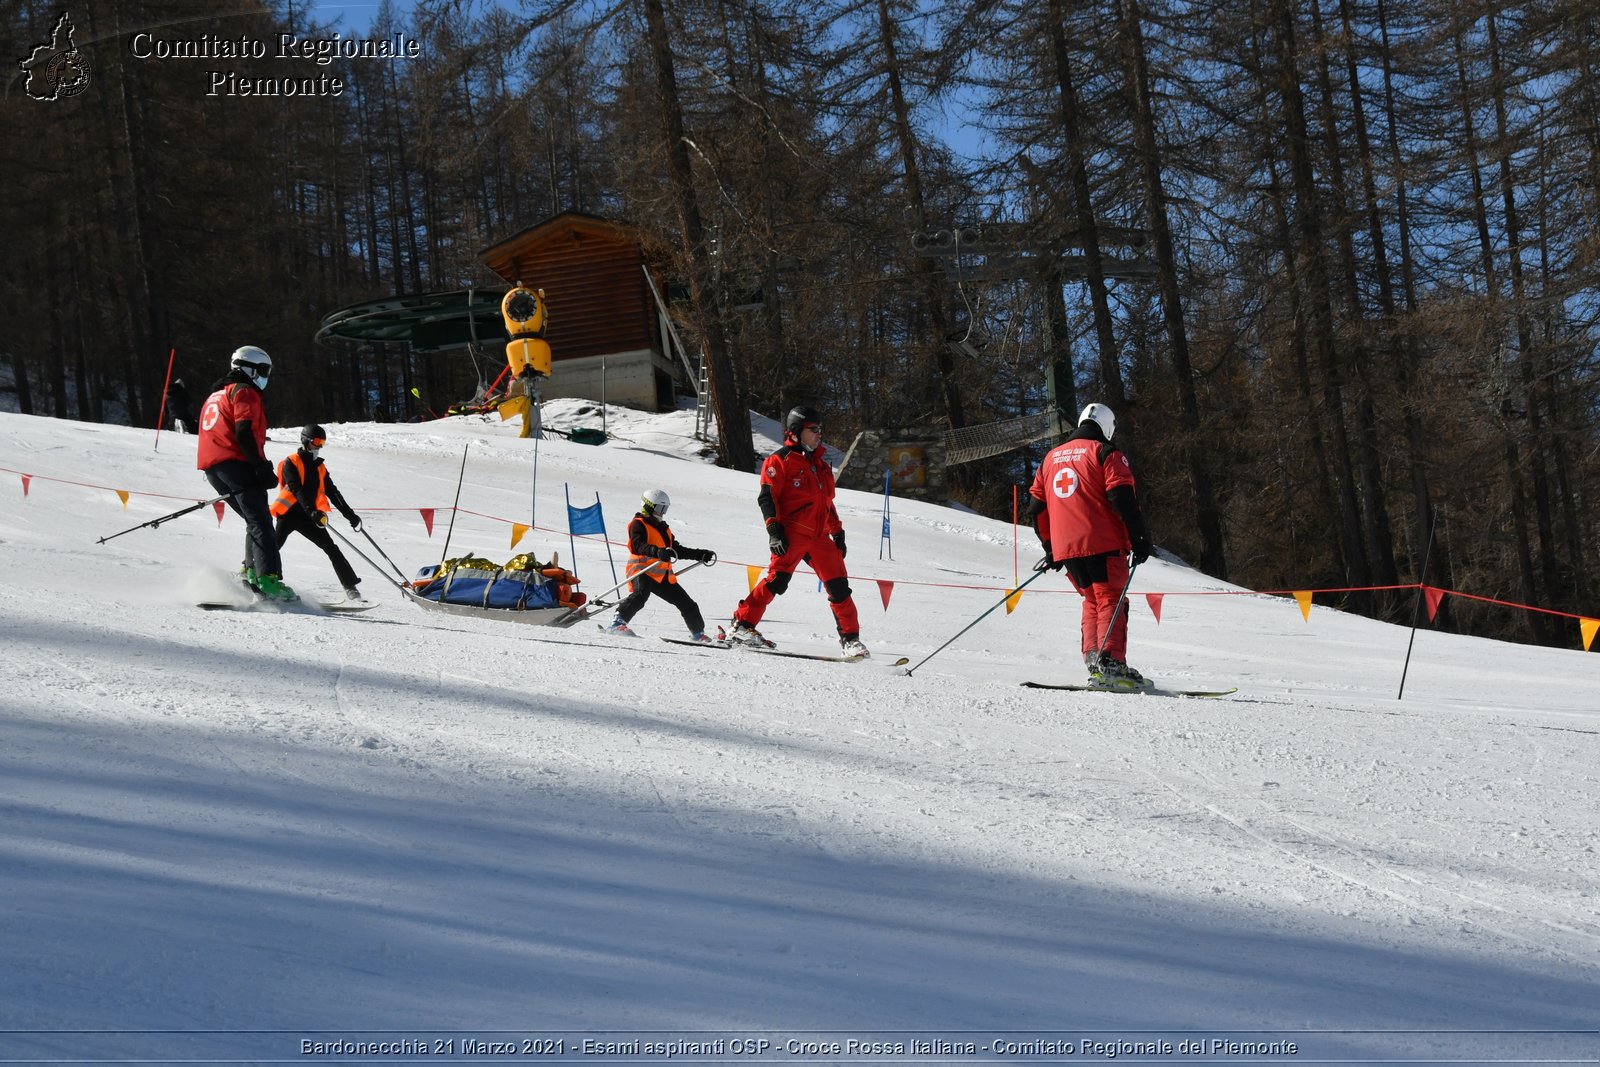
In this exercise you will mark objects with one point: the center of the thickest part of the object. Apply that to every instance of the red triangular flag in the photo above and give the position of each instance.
(1433, 596)
(220, 507)
(427, 519)
(26, 478)
(884, 589)
(1154, 600)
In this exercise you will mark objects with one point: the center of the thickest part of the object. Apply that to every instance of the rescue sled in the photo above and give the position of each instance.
(523, 590)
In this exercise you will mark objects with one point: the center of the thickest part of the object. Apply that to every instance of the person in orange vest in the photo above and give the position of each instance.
(306, 494)
(651, 552)
(232, 453)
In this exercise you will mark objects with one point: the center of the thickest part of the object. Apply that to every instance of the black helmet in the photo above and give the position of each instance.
(800, 417)
(313, 436)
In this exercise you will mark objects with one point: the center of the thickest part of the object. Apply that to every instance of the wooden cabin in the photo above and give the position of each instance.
(602, 318)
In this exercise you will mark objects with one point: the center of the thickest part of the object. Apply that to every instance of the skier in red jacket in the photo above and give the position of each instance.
(233, 439)
(1086, 511)
(802, 526)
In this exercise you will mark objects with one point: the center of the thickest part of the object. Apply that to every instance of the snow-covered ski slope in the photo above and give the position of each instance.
(404, 821)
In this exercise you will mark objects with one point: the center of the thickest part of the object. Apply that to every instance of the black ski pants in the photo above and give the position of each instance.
(672, 592)
(295, 520)
(237, 480)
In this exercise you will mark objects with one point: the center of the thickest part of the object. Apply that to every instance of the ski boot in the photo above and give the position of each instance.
(745, 634)
(620, 628)
(701, 638)
(1119, 675)
(352, 595)
(271, 586)
(852, 647)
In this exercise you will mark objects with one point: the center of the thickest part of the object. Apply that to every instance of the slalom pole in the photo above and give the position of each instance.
(153, 523)
(605, 536)
(459, 479)
(1112, 625)
(1416, 614)
(161, 416)
(1009, 594)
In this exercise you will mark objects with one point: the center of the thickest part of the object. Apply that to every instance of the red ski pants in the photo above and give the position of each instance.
(829, 565)
(1100, 599)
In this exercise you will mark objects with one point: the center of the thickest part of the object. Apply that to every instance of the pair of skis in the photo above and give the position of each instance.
(770, 651)
(1089, 687)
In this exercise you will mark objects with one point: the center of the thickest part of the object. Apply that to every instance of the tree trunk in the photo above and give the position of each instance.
(932, 290)
(1083, 203)
(733, 418)
(1207, 519)
(1318, 303)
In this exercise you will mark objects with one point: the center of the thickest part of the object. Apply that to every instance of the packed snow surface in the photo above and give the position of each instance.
(222, 832)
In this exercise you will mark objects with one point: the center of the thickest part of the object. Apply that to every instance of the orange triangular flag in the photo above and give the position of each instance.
(122, 495)
(1154, 600)
(219, 507)
(427, 519)
(26, 478)
(884, 589)
(517, 530)
(1587, 627)
(753, 574)
(1433, 596)
(1304, 597)
(1013, 598)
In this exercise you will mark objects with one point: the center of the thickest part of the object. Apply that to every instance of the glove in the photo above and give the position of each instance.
(708, 557)
(838, 540)
(666, 555)
(1047, 564)
(778, 543)
(266, 477)
(1141, 551)
(320, 517)
(355, 522)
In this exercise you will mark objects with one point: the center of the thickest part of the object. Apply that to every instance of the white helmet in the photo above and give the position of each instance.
(656, 503)
(254, 362)
(1101, 416)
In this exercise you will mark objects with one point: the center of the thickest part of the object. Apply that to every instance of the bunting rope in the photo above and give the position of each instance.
(1588, 625)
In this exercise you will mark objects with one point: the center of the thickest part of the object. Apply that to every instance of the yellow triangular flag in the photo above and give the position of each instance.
(754, 574)
(122, 495)
(517, 530)
(1587, 627)
(1012, 600)
(1304, 597)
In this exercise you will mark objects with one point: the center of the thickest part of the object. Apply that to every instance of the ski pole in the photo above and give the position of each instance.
(596, 599)
(1115, 612)
(382, 553)
(153, 523)
(356, 549)
(1036, 576)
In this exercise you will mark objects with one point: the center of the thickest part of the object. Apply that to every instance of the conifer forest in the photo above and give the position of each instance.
(1333, 263)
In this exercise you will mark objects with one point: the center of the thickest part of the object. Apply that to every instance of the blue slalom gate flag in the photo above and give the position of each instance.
(586, 520)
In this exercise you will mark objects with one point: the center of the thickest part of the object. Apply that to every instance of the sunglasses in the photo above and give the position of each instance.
(814, 427)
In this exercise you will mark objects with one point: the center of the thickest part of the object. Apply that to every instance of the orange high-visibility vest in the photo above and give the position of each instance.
(286, 499)
(662, 571)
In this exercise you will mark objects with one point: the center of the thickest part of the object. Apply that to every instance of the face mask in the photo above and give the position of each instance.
(261, 383)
